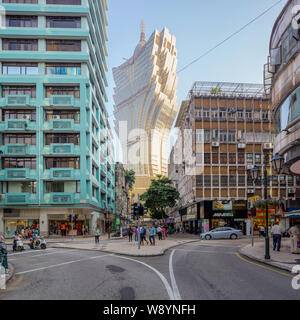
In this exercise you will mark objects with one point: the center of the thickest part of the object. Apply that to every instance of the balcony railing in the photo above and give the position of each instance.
(17, 125)
(62, 100)
(17, 100)
(18, 149)
(19, 198)
(17, 174)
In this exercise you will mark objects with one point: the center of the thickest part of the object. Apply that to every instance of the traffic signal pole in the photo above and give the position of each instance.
(72, 226)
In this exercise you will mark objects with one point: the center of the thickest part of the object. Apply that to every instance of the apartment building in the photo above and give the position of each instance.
(231, 130)
(57, 152)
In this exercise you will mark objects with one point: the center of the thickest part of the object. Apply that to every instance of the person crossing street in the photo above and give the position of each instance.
(276, 232)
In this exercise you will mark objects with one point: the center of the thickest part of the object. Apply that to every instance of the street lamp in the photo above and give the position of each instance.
(277, 164)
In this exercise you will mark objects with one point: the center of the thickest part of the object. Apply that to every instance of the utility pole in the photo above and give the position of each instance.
(72, 225)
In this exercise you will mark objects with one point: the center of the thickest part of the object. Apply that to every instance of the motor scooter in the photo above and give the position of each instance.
(40, 243)
(18, 245)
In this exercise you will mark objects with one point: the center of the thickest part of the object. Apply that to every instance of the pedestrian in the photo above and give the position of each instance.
(294, 232)
(276, 232)
(261, 231)
(63, 230)
(159, 232)
(135, 230)
(86, 232)
(83, 231)
(152, 233)
(143, 235)
(3, 254)
(97, 235)
(130, 234)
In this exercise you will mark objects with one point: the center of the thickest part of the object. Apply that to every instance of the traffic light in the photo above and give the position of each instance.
(141, 210)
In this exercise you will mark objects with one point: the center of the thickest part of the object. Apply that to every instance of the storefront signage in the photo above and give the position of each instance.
(223, 215)
(239, 205)
(222, 205)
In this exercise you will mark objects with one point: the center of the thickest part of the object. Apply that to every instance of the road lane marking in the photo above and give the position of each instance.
(264, 267)
(172, 277)
(201, 251)
(62, 264)
(163, 279)
(45, 254)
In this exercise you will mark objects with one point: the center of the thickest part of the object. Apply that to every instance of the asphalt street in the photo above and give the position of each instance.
(197, 271)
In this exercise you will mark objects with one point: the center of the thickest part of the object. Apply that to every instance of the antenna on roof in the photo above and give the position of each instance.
(143, 34)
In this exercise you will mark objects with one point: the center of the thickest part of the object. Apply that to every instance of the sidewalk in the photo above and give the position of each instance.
(283, 259)
(124, 247)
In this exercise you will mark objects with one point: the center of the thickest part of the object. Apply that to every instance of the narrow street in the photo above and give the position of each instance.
(201, 270)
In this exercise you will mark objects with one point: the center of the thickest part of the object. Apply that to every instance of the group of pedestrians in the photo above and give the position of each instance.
(294, 233)
(147, 235)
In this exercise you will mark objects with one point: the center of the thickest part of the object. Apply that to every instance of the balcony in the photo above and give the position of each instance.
(103, 186)
(62, 149)
(62, 174)
(62, 198)
(103, 204)
(11, 100)
(103, 168)
(18, 149)
(61, 125)
(19, 198)
(62, 100)
(18, 125)
(17, 174)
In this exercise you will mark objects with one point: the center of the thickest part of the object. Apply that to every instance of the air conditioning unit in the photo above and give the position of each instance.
(56, 117)
(249, 166)
(250, 191)
(215, 144)
(27, 117)
(268, 146)
(241, 146)
(292, 190)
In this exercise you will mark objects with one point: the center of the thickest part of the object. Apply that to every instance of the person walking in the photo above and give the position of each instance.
(164, 232)
(152, 233)
(130, 234)
(276, 232)
(135, 231)
(63, 230)
(294, 232)
(159, 232)
(143, 235)
(97, 235)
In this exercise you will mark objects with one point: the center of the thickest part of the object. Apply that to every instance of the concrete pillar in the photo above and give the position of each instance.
(44, 229)
(1, 223)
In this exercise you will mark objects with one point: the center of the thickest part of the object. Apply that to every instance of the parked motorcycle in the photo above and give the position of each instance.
(39, 243)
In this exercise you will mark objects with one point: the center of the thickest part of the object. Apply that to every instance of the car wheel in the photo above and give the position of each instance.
(208, 237)
(233, 237)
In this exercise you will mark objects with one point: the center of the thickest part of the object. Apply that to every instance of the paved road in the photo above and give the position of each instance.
(201, 270)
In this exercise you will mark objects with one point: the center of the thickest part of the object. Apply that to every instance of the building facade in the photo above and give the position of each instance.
(282, 80)
(122, 196)
(225, 129)
(57, 153)
(146, 106)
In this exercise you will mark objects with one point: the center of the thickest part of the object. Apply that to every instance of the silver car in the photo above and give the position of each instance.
(222, 233)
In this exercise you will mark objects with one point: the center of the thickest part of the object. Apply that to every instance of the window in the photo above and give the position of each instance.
(214, 113)
(19, 90)
(224, 181)
(215, 135)
(73, 91)
(21, 21)
(70, 69)
(248, 114)
(290, 181)
(215, 181)
(60, 114)
(206, 113)
(18, 114)
(199, 181)
(63, 22)
(222, 114)
(207, 181)
(24, 187)
(19, 138)
(206, 158)
(20, 68)
(20, 1)
(232, 158)
(240, 114)
(241, 158)
(241, 180)
(20, 44)
(258, 158)
(232, 181)
(215, 158)
(223, 158)
(199, 158)
(241, 135)
(282, 181)
(20, 163)
(275, 181)
(250, 158)
(265, 115)
(223, 136)
(207, 136)
(63, 45)
(199, 136)
(231, 136)
(62, 138)
(62, 163)
(67, 2)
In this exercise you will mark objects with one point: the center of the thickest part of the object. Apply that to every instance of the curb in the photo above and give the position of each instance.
(279, 265)
(161, 253)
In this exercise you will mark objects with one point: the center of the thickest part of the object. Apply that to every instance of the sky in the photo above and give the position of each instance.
(197, 25)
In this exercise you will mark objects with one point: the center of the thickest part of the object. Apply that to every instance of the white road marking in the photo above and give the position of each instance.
(163, 279)
(201, 251)
(45, 254)
(172, 277)
(61, 264)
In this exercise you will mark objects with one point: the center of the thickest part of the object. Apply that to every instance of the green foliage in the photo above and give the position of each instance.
(130, 178)
(160, 195)
(261, 204)
(215, 91)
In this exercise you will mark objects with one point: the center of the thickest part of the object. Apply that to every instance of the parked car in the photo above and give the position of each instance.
(118, 234)
(222, 233)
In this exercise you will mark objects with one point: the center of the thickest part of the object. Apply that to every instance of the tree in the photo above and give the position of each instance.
(160, 195)
(130, 178)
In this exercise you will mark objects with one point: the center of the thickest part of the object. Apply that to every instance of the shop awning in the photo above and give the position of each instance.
(293, 214)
